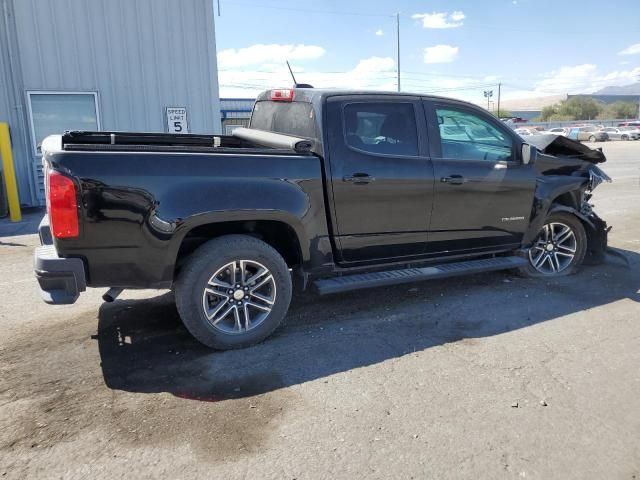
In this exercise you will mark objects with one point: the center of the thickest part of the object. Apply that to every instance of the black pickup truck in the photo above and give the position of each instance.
(337, 190)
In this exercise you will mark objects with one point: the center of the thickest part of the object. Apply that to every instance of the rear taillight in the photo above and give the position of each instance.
(63, 207)
(282, 95)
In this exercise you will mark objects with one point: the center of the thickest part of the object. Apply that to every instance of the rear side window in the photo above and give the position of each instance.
(382, 128)
(290, 118)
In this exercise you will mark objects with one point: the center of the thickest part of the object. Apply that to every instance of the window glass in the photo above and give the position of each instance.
(467, 136)
(383, 128)
(53, 113)
(290, 118)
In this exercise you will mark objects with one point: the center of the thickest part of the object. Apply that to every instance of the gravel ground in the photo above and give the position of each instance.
(489, 376)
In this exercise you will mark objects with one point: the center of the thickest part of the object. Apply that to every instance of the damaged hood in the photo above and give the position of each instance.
(562, 156)
(559, 146)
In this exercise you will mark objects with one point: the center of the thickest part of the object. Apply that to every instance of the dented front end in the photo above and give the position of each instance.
(567, 176)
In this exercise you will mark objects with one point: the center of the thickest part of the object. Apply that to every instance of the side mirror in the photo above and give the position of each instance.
(529, 153)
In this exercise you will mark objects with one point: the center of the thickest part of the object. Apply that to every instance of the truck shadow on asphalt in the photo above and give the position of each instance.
(144, 347)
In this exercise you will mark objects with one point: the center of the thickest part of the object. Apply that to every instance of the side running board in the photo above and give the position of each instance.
(392, 277)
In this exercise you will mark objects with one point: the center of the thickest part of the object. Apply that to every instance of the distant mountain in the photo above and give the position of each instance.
(633, 89)
(532, 103)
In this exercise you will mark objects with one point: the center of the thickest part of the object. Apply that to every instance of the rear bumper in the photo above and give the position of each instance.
(60, 279)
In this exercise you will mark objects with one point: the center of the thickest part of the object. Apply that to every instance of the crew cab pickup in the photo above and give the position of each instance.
(326, 189)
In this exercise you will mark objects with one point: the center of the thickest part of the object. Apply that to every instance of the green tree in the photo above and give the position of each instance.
(580, 108)
(547, 112)
(557, 117)
(619, 110)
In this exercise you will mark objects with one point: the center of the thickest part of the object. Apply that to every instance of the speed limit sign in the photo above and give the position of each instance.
(177, 120)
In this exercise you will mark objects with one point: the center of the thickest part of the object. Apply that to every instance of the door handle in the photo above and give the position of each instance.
(453, 180)
(358, 178)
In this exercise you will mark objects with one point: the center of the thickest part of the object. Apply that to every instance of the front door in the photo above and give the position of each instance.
(483, 193)
(382, 179)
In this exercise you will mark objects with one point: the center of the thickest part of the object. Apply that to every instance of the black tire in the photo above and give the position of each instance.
(625, 137)
(592, 138)
(199, 269)
(577, 228)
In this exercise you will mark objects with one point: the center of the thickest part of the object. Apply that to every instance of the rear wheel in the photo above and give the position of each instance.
(233, 292)
(592, 138)
(559, 248)
(624, 137)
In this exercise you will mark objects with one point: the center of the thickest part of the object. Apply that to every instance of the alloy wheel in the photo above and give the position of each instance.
(239, 296)
(554, 249)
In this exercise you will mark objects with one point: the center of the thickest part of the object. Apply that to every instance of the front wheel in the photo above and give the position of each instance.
(559, 248)
(625, 137)
(234, 291)
(592, 138)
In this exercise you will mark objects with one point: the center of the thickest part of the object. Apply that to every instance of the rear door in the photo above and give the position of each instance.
(483, 193)
(381, 176)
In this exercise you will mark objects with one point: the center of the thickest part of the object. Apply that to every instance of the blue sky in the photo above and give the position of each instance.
(454, 48)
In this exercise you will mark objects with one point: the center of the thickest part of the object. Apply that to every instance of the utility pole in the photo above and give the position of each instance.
(398, 46)
(488, 94)
(499, 85)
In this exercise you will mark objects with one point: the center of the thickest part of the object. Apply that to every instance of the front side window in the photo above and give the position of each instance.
(381, 128)
(467, 136)
(51, 113)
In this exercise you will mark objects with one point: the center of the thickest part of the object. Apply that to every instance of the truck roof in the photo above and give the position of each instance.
(312, 95)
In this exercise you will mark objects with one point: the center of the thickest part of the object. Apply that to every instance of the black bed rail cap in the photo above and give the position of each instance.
(134, 138)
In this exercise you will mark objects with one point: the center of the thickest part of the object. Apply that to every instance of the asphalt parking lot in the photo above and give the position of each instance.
(489, 376)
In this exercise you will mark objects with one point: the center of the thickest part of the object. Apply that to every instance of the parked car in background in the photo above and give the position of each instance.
(591, 134)
(524, 132)
(633, 131)
(558, 131)
(632, 123)
(621, 133)
(513, 119)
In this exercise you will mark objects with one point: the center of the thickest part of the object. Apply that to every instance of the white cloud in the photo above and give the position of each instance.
(566, 78)
(575, 79)
(440, 54)
(375, 64)
(630, 50)
(379, 33)
(370, 73)
(260, 54)
(441, 19)
(585, 78)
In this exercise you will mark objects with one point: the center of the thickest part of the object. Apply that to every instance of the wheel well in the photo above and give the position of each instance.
(277, 234)
(568, 199)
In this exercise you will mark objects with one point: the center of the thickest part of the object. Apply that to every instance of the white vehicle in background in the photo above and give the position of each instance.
(633, 132)
(622, 133)
(525, 132)
(558, 131)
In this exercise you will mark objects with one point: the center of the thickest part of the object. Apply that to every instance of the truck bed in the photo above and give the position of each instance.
(140, 194)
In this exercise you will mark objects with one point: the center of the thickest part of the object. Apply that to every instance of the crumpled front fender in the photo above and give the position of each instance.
(596, 229)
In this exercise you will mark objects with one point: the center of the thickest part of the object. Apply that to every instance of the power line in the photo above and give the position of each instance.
(438, 74)
(322, 72)
(308, 10)
(472, 25)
